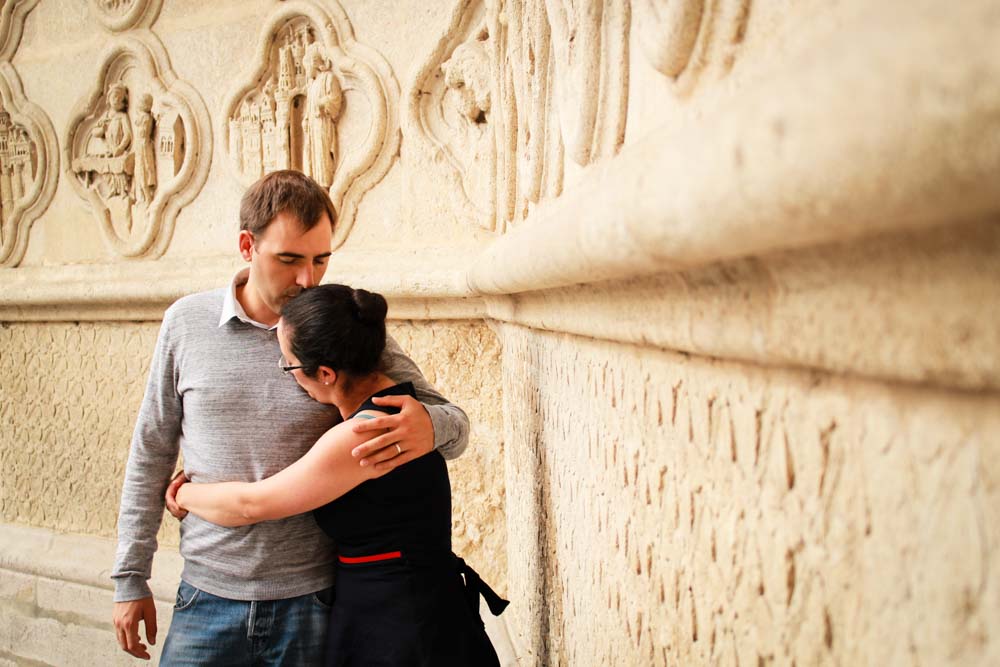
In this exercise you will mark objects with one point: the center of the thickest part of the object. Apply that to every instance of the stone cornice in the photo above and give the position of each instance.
(137, 290)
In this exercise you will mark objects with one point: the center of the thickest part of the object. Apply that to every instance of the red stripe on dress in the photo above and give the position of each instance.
(370, 559)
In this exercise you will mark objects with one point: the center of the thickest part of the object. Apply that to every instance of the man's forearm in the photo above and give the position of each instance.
(451, 429)
(152, 457)
(138, 523)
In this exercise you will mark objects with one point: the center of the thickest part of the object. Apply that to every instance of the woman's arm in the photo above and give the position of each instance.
(327, 471)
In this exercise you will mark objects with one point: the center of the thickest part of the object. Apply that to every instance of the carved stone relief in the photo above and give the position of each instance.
(28, 166)
(590, 49)
(513, 87)
(680, 38)
(12, 13)
(118, 15)
(317, 101)
(138, 147)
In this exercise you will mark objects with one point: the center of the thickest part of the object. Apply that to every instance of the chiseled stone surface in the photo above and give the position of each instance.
(68, 401)
(69, 414)
(666, 509)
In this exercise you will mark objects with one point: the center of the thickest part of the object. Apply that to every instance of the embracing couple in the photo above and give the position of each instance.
(289, 483)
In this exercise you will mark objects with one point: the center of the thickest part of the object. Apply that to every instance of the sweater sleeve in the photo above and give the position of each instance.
(151, 461)
(451, 424)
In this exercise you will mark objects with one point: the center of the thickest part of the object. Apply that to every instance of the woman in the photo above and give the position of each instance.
(400, 598)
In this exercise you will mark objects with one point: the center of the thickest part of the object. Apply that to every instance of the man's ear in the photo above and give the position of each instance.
(326, 375)
(246, 244)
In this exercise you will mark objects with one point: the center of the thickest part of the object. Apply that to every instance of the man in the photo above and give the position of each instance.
(257, 594)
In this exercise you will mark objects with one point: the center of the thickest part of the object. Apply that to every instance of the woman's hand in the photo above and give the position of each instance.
(409, 434)
(171, 496)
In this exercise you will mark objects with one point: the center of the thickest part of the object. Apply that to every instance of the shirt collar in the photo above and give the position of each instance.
(231, 306)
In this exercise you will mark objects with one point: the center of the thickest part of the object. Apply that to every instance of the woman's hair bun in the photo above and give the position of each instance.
(369, 306)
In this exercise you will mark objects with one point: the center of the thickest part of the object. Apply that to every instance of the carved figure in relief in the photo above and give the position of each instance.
(111, 137)
(323, 102)
(112, 133)
(267, 100)
(467, 72)
(298, 49)
(467, 105)
(145, 162)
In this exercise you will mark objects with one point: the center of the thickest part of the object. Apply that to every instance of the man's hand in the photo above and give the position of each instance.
(410, 434)
(126, 618)
(171, 495)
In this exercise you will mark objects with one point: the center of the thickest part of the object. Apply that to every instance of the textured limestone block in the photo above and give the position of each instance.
(666, 509)
(69, 416)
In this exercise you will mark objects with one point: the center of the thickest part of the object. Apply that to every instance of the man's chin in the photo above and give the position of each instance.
(282, 300)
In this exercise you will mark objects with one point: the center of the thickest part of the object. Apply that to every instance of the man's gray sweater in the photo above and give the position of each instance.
(216, 394)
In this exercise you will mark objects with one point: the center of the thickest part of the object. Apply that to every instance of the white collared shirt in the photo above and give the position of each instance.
(231, 306)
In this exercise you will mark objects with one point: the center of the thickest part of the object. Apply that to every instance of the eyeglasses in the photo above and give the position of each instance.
(285, 368)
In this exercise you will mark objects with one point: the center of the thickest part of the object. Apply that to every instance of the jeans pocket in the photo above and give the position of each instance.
(324, 598)
(187, 595)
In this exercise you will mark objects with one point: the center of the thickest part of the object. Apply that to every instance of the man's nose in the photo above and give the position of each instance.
(306, 276)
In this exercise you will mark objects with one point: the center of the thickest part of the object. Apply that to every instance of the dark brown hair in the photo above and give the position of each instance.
(338, 327)
(285, 191)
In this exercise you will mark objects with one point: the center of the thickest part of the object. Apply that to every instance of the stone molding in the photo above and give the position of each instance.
(119, 15)
(29, 161)
(72, 558)
(12, 15)
(142, 291)
(56, 598)
(136, 216)
(352, 69)
(770, 175)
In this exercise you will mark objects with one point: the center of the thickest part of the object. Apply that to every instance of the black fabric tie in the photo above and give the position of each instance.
(475, 586)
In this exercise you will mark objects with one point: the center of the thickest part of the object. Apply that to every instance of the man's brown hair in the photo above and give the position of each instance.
(285, 191)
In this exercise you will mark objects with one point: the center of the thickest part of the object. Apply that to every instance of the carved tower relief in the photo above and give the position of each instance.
(316, 101)
(28, 156)
(28, 166)
(138, 148)
(119, 15)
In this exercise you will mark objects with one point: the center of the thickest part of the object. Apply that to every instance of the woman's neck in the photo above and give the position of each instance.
(358, 391)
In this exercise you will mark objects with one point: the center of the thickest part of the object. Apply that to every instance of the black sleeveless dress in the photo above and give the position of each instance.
(401, 596)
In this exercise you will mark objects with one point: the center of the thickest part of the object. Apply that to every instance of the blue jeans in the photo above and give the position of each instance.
(209, 630)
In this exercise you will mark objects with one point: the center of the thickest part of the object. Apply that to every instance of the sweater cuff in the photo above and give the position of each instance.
(441, 421)
(129, 588)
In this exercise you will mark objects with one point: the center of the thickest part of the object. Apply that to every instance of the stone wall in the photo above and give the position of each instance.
(683, 510)
(715, 280)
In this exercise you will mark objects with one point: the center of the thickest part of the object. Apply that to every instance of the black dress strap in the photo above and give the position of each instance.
(401, 389)
(475, 586)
